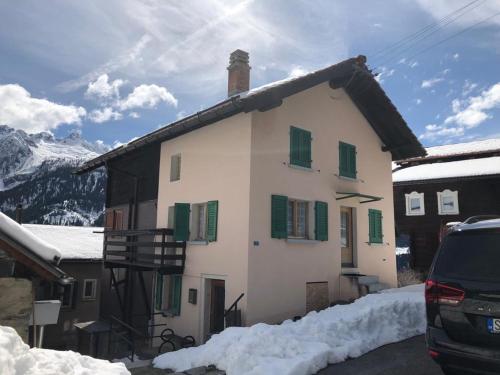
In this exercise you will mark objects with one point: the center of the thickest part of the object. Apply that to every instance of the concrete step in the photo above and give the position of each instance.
(368, 280)
(377, 287)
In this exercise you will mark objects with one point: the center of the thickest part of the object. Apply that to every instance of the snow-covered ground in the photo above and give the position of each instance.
(16, 358)
(310, 344)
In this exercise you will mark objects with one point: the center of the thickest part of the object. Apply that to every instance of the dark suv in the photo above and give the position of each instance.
(463, 300)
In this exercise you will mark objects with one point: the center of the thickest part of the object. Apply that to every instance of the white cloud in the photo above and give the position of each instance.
(428, 83)
(476, 109)
(134, 115)
(414, 64)
(147, 96)
(377, 25)
(101, 88)
(384, 73)
(446, 71)
(20, 110)
(418, 101)
(105, 114)
(297, 71)
(468, 87)
(456, 56)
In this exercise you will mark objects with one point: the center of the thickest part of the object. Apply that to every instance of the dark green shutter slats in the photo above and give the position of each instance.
(181, 222)
(321, 221)
(158, 291)
(375, 226)
(212, 214)
(300, 147)
(279, 213)
(175, 294)
(347, 160)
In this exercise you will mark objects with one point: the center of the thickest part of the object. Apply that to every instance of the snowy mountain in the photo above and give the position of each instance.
(36, 171)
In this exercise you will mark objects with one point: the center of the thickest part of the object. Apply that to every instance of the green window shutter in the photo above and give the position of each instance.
(159, 291)
(321, 221)
(175, 294)
(347, 160)
(212, 214)
(279, 214)
(375, 226)
(181, 221)
(300, 147)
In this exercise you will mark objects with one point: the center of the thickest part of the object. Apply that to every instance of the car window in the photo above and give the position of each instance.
(470, 255)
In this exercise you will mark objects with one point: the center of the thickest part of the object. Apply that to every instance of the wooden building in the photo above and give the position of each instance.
(450, 184)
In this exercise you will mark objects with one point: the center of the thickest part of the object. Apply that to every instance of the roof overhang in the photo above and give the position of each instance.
(363, 198)
(352, 75)
(29, 259)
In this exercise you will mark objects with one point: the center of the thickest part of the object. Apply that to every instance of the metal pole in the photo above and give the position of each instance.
(40, 338)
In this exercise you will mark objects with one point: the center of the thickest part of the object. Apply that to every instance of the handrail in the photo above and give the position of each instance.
(234, 305)
(129, 327)
(138, 232)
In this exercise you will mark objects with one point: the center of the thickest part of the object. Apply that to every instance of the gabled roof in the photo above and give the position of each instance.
(352, 75)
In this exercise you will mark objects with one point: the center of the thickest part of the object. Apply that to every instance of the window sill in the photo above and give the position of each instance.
(419, 214)
(307, 169)
(197, 242)
(345, 178)
(376, 244)
(448, 213)
(302, 240)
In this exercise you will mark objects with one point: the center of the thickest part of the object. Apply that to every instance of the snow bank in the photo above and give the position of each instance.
(16, 358)
(402, 250)
(26, 238)
(310, 344)
(73, 242)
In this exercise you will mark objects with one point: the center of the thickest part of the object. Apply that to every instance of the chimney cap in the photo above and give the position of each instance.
(239, 56)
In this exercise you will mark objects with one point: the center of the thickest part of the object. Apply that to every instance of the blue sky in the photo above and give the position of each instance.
(118, 69)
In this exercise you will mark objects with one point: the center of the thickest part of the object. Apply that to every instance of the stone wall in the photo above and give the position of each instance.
(16, 304)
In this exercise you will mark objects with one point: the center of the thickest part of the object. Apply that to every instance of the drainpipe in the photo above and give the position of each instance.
(19, 213)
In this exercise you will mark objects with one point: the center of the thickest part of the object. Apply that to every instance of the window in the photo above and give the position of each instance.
(199, 223)
(168, 293)
(415, 204)
(89, 289)
(347, 160)
(114, 219)
(298, 219)
(375, 226)
(448, 202)
(293, 218)
(175, 167)
(67, 296)
(300, 147)
(344, 229)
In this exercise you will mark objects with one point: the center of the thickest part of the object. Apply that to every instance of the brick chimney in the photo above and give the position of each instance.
(238, 73)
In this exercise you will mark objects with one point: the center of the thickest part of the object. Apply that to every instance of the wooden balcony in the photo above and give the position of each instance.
(144, 250)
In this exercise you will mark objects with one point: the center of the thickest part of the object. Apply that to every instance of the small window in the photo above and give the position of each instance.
(448, 202)
(298, 219)
(89, 289)
(347, 160)
(300, 147)
(67, 295)
(168, 293)
(199, 222)
(415, 204)
(175, 167)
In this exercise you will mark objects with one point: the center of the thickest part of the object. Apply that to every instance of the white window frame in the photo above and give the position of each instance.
(94, 289)
(309, 220)
(408, 198)
(175, 167)
(445, 194)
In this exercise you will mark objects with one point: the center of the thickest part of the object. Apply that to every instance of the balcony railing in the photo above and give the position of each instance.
(144, 249)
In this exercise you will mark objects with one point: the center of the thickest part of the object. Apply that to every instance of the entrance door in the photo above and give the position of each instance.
(346, 236)
(217, 306)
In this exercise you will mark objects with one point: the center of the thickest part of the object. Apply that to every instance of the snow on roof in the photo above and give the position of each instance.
(18, 358)
(451, 169)
(73, 242)
(22, 235)
(464, 148)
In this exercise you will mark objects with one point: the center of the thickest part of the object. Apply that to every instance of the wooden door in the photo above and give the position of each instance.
(346, 237)
(217, 306)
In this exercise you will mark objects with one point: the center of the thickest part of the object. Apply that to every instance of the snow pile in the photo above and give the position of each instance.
(16, 358)
(73, 242)
(465, 148)
(460, 168)
(26, 238)
(402, 250)
(306, 346)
